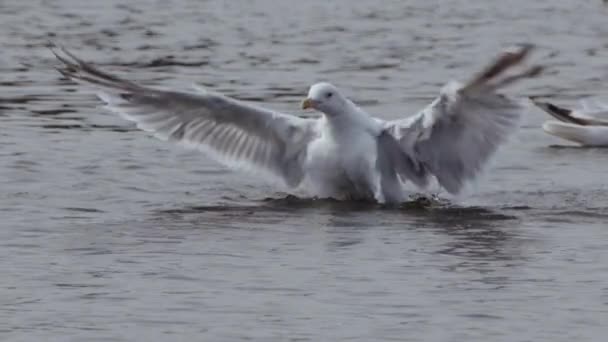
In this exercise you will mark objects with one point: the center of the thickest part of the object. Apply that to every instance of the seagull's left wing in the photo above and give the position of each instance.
(456, 134)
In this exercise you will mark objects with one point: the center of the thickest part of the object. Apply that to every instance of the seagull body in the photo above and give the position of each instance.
(586, 126)
(341, 160)
(345, 153)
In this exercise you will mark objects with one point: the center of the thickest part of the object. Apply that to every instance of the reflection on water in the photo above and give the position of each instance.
(108, 234)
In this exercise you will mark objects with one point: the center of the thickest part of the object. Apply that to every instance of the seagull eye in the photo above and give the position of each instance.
(330, 94)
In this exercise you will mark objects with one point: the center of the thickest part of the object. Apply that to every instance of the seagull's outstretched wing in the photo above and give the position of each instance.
(237, 134)
(455, 135)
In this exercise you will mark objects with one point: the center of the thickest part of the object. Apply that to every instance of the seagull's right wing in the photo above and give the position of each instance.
(237, 134)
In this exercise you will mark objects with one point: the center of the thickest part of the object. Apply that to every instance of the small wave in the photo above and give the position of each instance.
(84, 210)
(419, 205)
(166, 61)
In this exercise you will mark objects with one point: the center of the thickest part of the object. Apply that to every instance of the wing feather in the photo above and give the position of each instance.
(238, 134)
(454, 136)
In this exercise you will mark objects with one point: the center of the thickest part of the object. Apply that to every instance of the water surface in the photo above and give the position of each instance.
(110, 235)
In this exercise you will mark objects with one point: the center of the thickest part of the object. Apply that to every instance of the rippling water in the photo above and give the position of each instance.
(108, 234)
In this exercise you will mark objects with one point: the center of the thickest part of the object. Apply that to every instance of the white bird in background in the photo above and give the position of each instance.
(583, 126)
(345, 153)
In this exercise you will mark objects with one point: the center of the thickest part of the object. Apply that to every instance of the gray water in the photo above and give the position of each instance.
(107, 234)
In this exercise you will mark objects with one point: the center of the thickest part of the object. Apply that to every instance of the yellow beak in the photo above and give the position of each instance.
(307, 103)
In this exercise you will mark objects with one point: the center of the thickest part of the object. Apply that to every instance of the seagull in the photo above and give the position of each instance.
(584, 126)
(345, 153)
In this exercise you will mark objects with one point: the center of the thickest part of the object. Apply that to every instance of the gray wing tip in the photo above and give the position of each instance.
(490, 76)
(76, 69)
(560, 113)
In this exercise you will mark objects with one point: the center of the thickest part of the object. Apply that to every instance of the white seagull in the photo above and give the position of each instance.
(584, 126)
(343, 154)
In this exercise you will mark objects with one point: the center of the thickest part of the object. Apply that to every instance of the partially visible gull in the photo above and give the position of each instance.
(587, 126)
(343, 154)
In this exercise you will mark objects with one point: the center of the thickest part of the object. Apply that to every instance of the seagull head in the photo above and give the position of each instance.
(325, 98)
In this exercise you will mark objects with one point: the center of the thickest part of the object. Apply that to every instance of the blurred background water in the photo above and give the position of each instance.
(107, 234)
